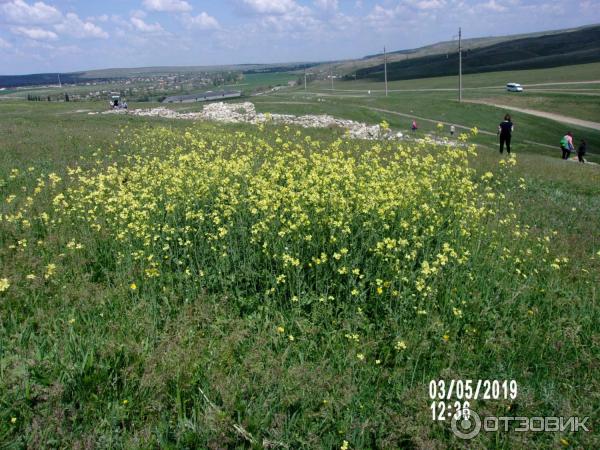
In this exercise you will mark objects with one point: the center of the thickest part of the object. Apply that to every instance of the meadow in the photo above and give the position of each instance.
(167, 284)
(254, 81)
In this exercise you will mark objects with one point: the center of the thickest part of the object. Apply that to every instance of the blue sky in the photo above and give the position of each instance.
(70, 35)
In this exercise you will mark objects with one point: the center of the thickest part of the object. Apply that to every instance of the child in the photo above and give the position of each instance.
(581, 150)
(414, 126)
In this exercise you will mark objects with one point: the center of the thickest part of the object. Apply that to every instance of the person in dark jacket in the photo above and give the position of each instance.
(505, 130)
(581, 150)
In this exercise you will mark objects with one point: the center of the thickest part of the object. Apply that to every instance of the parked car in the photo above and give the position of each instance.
(514, 87)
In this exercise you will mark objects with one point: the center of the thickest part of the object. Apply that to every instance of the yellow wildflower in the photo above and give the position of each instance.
(400, 345)
(4, 284)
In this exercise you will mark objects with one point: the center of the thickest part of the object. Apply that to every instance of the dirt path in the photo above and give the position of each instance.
(571, 92)
(563, 82)
(422, 119)
(544, 114)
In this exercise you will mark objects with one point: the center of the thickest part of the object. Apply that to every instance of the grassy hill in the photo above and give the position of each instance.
(439, 48)
(571, 47)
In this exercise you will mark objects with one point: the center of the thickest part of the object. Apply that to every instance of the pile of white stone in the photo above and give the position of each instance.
(246, 113)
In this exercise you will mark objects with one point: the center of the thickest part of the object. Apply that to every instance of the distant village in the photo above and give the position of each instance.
(139, 89)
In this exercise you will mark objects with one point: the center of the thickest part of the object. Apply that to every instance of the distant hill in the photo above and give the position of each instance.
(38, 79)
(551, 50)
(43, 79)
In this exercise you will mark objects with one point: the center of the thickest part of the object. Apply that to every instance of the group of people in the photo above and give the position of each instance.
(414, 127)
(567, 147)
(506, 128)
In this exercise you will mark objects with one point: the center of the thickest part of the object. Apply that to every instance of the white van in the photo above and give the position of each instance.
(514, 87)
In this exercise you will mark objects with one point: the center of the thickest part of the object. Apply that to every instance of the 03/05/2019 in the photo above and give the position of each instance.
(473, 389)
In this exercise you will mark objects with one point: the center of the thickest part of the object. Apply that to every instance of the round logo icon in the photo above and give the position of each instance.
(466, 425)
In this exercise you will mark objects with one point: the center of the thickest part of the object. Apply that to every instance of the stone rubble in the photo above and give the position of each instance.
(246, 113)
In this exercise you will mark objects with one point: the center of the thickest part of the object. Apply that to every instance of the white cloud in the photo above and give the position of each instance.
(167, 5)
(493, 6)
(270, 7)
(4, 44)
(35, 33)
(72, 25)
(327, 5)
(39, 13)
(139, 14)
(20, 12)
(589, 5)
(202, 21)
(382, 16)
(432, 4)
(144, 27)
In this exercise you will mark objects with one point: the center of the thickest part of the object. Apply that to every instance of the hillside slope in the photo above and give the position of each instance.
(573, 47)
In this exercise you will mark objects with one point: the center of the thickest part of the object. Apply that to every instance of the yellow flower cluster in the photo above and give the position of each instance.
(318, 215)
(275, 213)
(281, 214)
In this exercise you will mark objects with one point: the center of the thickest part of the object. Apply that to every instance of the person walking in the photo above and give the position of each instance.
(566, 145)
(505, 130)
(452, 130)
(581, 150)
(414, 126)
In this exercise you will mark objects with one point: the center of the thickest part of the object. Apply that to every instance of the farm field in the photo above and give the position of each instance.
(173, 284)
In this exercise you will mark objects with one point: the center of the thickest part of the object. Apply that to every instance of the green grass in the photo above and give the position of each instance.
(576, 73)
(530, 131)
(571, 104)
(45, 91)
(253, 81)
(87, 362)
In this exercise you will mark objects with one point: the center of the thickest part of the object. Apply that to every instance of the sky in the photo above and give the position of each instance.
(70, 35)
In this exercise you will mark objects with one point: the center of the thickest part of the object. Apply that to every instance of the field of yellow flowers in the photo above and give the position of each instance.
(220, 287)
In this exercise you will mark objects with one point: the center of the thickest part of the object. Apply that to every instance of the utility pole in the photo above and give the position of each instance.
(385, 70)
(306, 75)
(331, 75)
(459, 64)
(305, 79)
